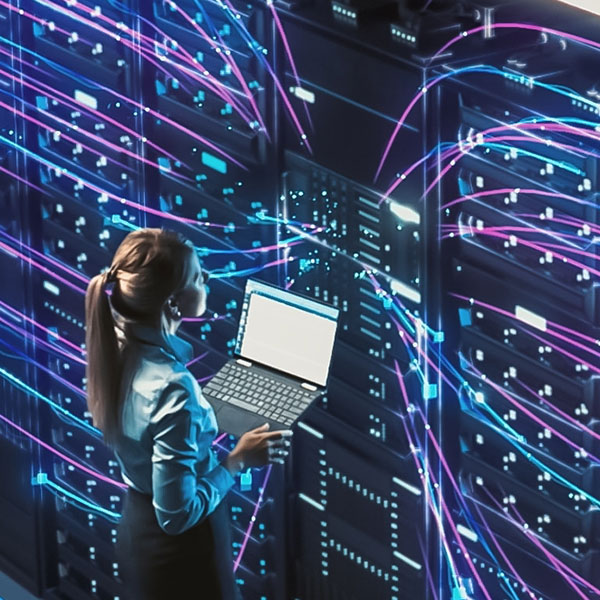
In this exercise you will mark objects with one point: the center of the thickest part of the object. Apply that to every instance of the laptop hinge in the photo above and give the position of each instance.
(245, 363)
(309, 387)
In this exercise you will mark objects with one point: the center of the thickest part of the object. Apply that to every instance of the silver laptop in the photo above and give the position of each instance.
(282, 357)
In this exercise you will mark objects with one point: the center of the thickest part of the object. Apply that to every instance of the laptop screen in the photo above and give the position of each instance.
(286, 331)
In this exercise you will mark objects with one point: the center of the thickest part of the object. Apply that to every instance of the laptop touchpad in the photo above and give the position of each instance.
(237, 421)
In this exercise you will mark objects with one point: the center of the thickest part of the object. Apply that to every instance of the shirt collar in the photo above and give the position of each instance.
(128, 329)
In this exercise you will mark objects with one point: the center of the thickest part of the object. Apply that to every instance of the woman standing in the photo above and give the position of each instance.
(174, 535)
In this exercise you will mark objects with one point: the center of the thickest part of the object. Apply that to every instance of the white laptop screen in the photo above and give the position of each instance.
(287, 332)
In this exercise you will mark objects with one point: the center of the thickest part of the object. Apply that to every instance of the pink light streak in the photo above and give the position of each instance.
(529, 191)
(504, 138)
(22, 180)
(52, 261)
(288, 52)
(510, 315)
(538, 247)
(64, 457)
(51, 333)
(563, 414)
(194, 360)
(559, 565)
(147, 54)
(38, 340)
(523, 26)
(252, 520)
(449, 519)
(450, 43)
(42, 268)
(531, 415)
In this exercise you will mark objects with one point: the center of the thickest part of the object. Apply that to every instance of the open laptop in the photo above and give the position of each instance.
(282, 357)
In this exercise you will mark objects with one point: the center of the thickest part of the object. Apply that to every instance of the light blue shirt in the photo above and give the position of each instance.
(164, 447)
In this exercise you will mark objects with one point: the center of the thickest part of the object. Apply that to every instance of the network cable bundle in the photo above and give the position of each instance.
(429, 171)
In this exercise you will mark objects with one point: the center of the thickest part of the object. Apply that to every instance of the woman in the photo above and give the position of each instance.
(174, 536)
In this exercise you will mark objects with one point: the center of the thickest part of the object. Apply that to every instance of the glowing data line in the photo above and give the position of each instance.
(12, 252)
(146, 52)
(225, 54)
(252, 46)
(522, 26)
(62, 456)
(252, 519)
(37, 340)
(534, 246)
(459, 541)
(288, 53)
(22, 355)
(43, 256)
(508, 191)
(45, 329)
(80, 502)
(470, 69)
(33, 392)
(24, 181)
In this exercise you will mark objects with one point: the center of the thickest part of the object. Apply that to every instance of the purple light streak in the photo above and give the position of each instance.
(447, 513)
(42, 268)
(64, 456)
(288, 52)
(531, 415)
(56, 336)
(22, 180)
(252, 520)
(559, 565)
(52, 261)
(38, 340)
(194, 360)
(504, 138)
(560, 412)
(538, 247)
(524, 26)
(571, 221)
(510, 315)
(529, 191)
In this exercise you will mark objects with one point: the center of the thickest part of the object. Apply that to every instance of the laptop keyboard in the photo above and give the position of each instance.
(262, 395)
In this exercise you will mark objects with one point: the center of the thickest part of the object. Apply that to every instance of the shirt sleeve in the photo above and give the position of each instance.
(180, 498)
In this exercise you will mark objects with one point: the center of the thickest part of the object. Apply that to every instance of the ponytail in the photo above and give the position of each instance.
(148, 266)
(103, 371)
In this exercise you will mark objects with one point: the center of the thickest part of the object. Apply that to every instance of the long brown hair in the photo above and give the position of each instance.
(149, 266)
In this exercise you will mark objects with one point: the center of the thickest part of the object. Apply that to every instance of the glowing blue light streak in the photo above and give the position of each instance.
(74, 499)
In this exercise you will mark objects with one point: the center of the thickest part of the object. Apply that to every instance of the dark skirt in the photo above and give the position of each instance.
(196, 564)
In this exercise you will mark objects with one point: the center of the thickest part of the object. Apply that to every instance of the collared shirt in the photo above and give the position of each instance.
(164, 447)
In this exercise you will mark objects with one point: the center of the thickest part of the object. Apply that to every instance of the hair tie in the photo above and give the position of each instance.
(109, 276)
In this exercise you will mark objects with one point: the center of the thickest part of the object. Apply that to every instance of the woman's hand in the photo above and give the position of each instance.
(257, 448)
